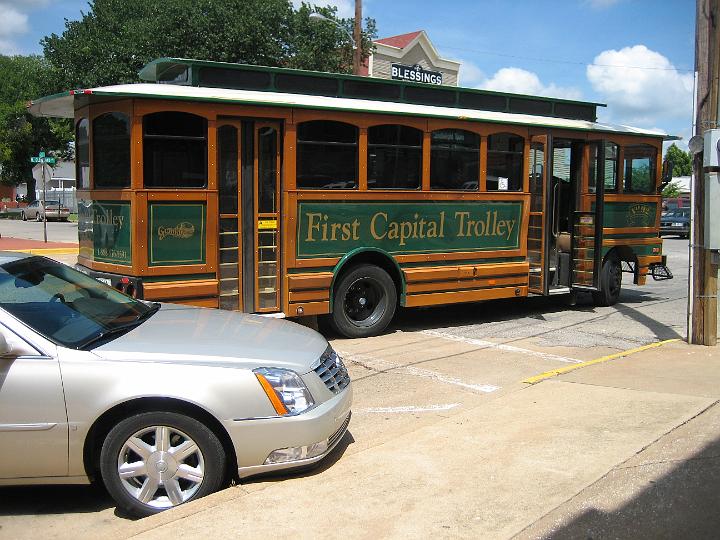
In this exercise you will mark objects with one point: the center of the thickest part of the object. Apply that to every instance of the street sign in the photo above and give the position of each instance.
(42, 159)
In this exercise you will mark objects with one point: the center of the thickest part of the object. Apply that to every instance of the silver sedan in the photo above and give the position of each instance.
(164, 403)
(50, 210)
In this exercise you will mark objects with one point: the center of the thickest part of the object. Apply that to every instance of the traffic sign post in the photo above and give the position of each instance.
(40, 158)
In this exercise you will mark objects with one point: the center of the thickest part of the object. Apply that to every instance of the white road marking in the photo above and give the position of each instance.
(483, 388)
(409, 409)
(501, 346)
(379, 364)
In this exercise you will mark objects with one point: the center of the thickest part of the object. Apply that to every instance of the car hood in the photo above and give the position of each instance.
(197, 336)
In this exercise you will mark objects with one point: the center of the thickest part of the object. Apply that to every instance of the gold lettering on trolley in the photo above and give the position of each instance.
(381, 227)
(182, 230)
(490, 225)
(318, 223)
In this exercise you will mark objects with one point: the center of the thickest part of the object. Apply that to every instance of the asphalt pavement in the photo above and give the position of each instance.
(493, 420)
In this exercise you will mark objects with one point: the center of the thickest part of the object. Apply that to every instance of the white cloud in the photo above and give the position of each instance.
(470, 74)
(12, 21)
(641, 96)
(520, 81)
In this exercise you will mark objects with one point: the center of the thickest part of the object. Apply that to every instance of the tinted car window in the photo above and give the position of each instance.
(65, 306)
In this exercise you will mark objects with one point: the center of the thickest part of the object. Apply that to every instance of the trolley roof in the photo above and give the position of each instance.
(181, 80)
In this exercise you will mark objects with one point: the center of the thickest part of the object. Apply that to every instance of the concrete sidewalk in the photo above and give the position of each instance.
(37, 247)
(628, 448)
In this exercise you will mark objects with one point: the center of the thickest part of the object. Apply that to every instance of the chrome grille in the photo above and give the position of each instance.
(331, 371)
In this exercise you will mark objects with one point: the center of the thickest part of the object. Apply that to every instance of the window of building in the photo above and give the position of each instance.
(640, 169)
(327, 155)
(394, 157)
(111, 151)
(174, 150)
(454, 160)
(611, 166)
(505, 162)
(82, 154)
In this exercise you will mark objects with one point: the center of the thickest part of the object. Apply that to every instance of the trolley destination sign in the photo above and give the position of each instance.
(332, 229)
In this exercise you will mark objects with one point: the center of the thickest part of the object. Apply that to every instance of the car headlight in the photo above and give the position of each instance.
(285, 390)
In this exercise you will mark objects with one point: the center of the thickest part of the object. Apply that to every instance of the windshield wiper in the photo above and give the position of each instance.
(122, 329)
(149, 313)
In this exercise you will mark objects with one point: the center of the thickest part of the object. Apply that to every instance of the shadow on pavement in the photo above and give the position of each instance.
(499, 311)
(48, 500)
(35, 500)
(684, 503)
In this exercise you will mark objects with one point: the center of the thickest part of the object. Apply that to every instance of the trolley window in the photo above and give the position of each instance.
(82, 154)
(394, 157)
(327, 155)
(174, 150)
(111, 151)
(640, 169)
(505, 162)
(454, 160)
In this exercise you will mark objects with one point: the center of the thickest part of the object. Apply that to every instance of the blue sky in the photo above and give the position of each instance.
(635, 55)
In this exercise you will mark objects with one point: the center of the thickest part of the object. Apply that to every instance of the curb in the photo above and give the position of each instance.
(49, 251)
(555, 372)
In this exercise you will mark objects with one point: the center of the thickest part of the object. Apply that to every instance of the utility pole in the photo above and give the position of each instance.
(703, 320)
(357, 51)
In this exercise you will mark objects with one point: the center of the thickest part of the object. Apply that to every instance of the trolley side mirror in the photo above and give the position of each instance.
(667, 171)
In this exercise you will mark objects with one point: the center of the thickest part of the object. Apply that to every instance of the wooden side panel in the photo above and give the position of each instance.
(167, 290)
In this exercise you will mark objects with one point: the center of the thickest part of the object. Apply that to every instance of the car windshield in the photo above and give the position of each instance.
(66, 306)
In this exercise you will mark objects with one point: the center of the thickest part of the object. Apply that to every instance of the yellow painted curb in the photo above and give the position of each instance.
(49, 251)
(560, 371)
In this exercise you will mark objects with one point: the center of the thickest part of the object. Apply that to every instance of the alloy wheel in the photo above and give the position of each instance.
(161, 466)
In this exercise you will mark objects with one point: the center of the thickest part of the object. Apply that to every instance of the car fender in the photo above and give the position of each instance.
(94, 386)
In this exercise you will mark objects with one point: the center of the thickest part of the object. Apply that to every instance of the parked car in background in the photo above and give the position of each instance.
(676, 222)
(52, 210)
(164, 403)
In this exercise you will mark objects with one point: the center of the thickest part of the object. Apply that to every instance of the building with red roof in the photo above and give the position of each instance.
(411, 57)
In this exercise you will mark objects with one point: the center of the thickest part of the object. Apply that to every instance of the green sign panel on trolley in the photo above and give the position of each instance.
(104, 231)
(176, 234)
(331, 229)
(629, 214)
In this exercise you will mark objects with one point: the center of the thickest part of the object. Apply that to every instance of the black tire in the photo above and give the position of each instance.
(610, 283)
(23, 216)
(365, 299)
(208, 458)
(38, 217)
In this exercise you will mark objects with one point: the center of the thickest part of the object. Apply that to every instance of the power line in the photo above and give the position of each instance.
(558, 61)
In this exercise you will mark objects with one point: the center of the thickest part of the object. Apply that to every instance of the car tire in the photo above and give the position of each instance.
(145, 480)
(610, 283)
(23, 216)
(365, 299)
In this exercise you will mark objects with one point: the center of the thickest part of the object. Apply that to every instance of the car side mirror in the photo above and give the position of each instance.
(5, 347)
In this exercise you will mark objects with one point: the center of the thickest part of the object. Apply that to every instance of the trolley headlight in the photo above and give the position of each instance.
(285, 390)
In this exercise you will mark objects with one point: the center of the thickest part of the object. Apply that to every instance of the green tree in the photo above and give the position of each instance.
(671, 190)
(115, 38)
(22, 135)
(681, 160)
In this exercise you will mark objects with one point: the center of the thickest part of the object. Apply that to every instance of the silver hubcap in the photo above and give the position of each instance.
(161, 466)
